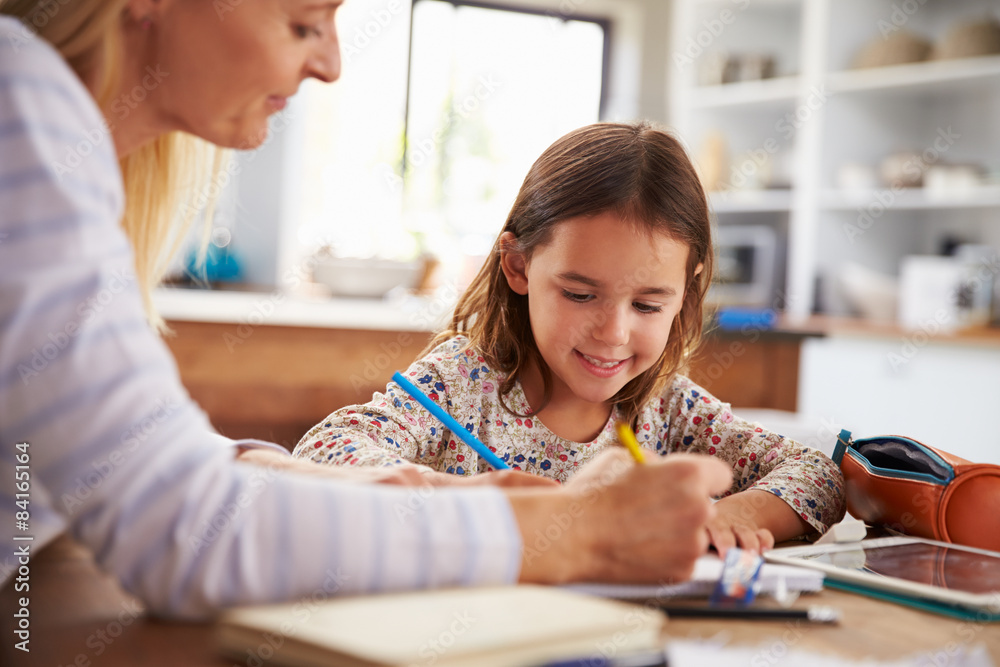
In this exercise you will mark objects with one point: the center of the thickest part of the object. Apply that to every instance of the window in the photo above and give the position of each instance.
(423, 143)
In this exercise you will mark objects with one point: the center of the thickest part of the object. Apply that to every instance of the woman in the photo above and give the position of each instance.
(106, 441)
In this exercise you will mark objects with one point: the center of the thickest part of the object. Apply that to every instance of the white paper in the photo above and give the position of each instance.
(693, 653)
(707, 571)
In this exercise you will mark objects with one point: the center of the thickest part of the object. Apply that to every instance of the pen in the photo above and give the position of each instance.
(627, 438)
(446, 419)
(813, 614)
(650, 658)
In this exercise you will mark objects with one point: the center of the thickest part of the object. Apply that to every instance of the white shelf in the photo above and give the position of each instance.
(777, 4)
(910, 199)
(822, 118)
(779, 91)
(750, 201)
(937, 77)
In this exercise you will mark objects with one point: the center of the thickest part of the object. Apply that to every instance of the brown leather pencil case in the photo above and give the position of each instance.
(916, 489)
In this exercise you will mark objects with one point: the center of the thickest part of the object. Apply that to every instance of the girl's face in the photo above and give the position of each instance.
(220, 69)
(601, 296)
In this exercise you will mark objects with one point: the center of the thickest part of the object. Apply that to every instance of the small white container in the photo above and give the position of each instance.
(928, 295)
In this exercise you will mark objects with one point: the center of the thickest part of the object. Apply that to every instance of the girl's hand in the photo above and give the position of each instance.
(753, 519)
(726, 531)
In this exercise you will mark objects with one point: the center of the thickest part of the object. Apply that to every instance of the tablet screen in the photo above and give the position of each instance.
(930, 564)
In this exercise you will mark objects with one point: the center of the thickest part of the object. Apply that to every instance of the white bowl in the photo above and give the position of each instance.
(874, 295)
(365, 277)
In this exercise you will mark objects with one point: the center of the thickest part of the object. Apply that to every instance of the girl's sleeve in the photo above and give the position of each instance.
(391, 429)
(112, 448)
(805, 478)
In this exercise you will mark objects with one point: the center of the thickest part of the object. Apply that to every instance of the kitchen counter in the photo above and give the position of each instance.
(406, 313)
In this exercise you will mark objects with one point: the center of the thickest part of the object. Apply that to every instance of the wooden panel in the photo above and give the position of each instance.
(275, 382)
(762, 373)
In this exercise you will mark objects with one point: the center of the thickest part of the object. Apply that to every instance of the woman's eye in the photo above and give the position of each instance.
(304, 31)
(646, 308)
(577, 298)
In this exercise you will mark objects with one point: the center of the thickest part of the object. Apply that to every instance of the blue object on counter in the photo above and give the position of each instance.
(737, 319)
(221, 265)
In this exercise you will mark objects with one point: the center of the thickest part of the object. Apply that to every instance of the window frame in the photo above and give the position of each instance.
(605, 24)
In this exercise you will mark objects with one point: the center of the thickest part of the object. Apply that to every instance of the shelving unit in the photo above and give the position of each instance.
(773, 92)
(820, 114)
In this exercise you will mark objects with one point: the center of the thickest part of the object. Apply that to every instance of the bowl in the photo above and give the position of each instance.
(874, 295)
(371, 278)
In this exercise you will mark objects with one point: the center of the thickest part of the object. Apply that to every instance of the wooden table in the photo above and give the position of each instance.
(79, 616)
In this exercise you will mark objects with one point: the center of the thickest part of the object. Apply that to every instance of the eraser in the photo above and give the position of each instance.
(738, 584)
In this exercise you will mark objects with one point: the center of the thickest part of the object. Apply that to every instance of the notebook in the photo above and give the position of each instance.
(707, 570)
(487, 627)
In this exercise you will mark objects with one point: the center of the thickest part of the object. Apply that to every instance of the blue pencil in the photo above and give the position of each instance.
(446, 419)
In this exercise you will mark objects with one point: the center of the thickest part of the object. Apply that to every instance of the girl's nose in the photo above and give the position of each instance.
(614, 330)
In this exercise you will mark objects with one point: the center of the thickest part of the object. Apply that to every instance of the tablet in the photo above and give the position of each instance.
(910, 566)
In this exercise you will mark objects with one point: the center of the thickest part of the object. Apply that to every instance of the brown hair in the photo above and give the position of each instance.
(642, 174)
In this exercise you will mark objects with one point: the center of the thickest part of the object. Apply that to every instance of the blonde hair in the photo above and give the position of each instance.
(633, 169)
(159, 177)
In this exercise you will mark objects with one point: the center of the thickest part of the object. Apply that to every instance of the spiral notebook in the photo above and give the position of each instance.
(486, 627)
(707, 571)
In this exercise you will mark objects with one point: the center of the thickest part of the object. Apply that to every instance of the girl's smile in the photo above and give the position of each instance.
(601, 367)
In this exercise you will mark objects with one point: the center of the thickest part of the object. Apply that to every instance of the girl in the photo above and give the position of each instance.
(584, 314)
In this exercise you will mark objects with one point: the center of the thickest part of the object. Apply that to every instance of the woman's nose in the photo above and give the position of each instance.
(325, 63)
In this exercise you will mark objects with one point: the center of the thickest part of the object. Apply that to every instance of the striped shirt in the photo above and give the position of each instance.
(106, 443)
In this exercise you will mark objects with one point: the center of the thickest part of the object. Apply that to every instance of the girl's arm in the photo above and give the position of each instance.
(392, 429)
(779, 485)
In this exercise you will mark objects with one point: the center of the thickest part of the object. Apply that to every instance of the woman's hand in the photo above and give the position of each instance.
(505, 478)
(403, 475)
(618, 521)
(407, 474)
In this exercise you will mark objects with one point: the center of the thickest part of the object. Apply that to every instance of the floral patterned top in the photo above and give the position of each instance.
(393, 428)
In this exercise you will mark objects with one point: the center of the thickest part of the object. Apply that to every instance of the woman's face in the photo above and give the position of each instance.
(224, 67)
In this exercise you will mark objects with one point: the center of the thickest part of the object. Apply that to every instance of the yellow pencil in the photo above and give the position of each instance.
(627, 438)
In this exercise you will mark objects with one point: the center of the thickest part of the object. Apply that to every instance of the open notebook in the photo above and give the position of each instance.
(487, 627)
(707, 571)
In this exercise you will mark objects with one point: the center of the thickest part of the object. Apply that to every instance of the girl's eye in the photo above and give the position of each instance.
(645, 308)
(577, 298)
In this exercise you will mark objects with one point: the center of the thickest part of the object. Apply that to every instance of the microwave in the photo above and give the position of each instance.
(744, 266)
